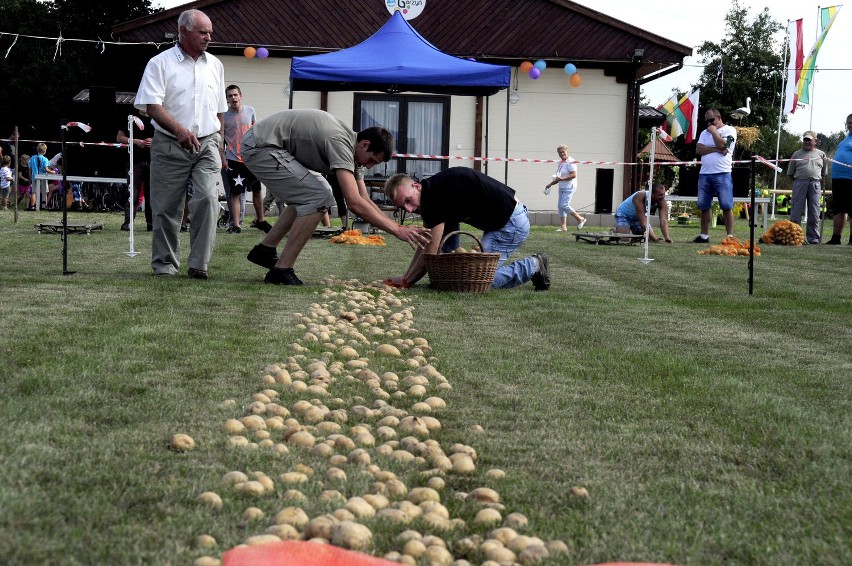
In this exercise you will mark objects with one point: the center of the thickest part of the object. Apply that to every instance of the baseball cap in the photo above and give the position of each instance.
(809, 135)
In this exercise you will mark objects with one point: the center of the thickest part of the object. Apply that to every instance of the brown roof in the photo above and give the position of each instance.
(661, 153)
(496, 31)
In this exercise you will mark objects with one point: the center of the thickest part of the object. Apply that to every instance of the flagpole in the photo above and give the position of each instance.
(780, 117)
(811, 86)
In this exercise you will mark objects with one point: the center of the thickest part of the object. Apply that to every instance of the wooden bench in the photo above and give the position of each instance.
(607, 238)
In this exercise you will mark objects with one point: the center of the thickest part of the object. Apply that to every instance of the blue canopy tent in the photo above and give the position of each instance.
(398, 59)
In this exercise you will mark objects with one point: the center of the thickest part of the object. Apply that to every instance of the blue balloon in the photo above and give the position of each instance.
(570, 69)
(540, 65)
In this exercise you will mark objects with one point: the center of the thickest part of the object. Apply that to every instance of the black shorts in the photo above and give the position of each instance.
(240, 179)
(841, 196)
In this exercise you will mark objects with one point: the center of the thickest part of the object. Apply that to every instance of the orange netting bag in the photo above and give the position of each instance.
(730, 246)
(784, 233)
(356, 238)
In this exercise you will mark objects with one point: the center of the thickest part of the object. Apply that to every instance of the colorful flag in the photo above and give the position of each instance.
(826, 16)
(682, 116)
(794, 66)
(672, 126)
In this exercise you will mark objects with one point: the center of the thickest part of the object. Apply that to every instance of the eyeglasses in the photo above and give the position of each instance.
(710, 120)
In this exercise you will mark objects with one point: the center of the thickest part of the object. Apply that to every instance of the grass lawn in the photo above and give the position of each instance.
(708, 426)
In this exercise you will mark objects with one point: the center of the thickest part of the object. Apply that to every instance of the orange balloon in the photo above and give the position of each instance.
(575, 80)
(526, 66)
(249, 52)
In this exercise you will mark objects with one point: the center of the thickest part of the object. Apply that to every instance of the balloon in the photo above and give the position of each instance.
(526, 66)
(570, 68)
(262, 52)
(575, 80)
(249, 52)
(535, 73)
(540, 65)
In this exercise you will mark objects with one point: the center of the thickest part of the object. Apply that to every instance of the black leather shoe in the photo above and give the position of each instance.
(198, 274)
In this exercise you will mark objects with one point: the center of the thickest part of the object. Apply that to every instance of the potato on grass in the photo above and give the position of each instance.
(211, 499)
(352, 535)
(252, 514)
(205, 541)
(294, 516)
(181, 443)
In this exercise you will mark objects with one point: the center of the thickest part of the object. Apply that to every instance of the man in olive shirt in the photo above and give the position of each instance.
(289, 152)
(807, 167)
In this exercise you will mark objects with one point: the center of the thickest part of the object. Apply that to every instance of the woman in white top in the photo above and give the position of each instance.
(565, 175)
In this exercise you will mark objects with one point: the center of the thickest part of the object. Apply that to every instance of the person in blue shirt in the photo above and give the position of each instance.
(841, 185)
(630, 215)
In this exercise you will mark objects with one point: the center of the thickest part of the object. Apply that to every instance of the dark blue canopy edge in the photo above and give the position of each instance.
(397, 59)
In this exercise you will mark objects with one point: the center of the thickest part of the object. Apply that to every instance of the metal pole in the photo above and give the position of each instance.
(645, 260)
(751, 225)
(131, 201)
(506, 164)
(17, 171)
(780, 117)
(65, 189)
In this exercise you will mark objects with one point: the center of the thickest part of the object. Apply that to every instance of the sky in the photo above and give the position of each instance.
(687, 24)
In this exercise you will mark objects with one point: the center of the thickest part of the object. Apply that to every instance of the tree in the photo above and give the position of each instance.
(44, 75)
(746, 64)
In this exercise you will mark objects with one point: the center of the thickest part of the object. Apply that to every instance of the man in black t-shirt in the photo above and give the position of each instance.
(463, 195)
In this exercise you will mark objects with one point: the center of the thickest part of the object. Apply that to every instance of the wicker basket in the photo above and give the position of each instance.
(470, 272)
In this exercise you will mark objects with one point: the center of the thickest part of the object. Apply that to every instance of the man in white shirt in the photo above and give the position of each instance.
(183, 91)
(716, 149)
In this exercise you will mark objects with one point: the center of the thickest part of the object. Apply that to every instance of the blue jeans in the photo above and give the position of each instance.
(565, 196)
(504, 241)
(720, 185)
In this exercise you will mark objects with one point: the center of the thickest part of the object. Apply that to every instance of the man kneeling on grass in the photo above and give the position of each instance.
(630, 215)
(461, 194)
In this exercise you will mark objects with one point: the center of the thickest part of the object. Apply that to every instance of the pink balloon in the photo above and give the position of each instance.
(535, 73)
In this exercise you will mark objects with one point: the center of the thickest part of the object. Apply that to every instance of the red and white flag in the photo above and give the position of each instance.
(794, 66)
(85, 127)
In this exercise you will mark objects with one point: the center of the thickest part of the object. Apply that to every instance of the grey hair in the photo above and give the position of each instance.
(187, 19)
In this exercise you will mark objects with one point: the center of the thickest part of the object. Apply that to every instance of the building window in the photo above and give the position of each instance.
(419, 124)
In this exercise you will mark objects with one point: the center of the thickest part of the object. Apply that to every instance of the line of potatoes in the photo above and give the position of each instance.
(350, 435)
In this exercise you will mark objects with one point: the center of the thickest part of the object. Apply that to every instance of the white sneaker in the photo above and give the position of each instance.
(561, 230)
(581, 223)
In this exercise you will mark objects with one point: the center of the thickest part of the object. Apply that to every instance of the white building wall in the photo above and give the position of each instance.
(590, 119)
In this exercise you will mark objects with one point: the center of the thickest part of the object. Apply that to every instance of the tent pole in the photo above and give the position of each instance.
(487, 123)
(506, 163)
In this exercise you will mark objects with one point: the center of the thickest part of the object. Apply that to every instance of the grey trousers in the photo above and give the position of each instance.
(806, 192)
(171, 168)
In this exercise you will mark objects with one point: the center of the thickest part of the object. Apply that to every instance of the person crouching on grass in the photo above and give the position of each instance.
(461, 194)
(630, 215)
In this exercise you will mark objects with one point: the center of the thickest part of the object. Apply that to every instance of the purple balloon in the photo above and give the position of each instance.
(262, 52)
(535, 73)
